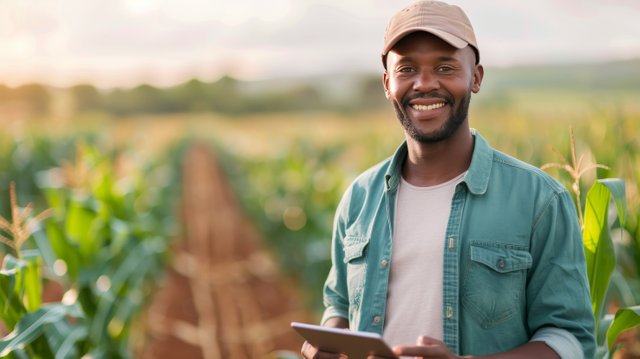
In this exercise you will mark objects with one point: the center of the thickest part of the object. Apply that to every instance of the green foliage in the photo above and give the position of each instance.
(292, 196)
(601, 260)
(87, 97)
(113, 249)
(17, 277)
(33, 98)
(23, 313)
(105, 244)
(226, 95)
(22, 158)
(133, 214)
(626, 318)
(598, 247)
(51, 322)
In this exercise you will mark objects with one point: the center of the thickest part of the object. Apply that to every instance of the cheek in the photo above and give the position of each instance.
(396, 89)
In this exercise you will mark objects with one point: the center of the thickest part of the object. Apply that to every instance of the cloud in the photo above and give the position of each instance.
(257, 39)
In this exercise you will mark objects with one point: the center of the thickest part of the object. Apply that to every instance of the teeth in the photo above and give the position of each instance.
(428, 107)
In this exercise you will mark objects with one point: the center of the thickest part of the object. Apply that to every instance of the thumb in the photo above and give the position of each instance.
(425, 340)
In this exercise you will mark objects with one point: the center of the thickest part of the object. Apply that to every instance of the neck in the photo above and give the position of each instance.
(429, 164)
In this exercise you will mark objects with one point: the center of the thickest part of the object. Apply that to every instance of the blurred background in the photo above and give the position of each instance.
(192, 153)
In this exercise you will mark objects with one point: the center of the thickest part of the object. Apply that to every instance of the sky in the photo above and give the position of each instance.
(121, 43)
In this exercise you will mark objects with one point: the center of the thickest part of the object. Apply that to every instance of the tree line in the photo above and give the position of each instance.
(225, 95)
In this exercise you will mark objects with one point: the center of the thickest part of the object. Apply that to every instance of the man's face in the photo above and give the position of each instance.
(429, 83)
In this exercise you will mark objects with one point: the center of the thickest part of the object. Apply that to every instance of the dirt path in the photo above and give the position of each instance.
(224, 296)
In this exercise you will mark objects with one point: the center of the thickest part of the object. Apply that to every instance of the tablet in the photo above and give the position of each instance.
(358, 345)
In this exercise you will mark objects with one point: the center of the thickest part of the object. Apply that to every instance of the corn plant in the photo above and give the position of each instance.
(292, 197)
(51, 330)
(23, 156)
(104, 243)
(599, 250)
(601, 263)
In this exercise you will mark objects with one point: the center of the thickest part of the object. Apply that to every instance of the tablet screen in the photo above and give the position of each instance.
(355, 344)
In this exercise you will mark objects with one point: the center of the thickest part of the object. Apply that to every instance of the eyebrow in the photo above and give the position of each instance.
(443, 58)
(447, 58)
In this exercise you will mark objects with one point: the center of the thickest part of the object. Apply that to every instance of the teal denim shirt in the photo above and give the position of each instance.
(513, 263)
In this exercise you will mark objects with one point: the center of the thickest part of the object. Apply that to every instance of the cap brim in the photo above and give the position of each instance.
(445, 36)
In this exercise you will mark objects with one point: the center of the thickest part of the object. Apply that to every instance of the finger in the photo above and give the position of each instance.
(308, 351)
(421, 351)
(425, 340)
(327, 355)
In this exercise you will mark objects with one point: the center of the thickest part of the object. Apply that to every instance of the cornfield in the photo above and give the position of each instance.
(205, 235)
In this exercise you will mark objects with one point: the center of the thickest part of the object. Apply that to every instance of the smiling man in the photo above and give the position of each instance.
(451, 248)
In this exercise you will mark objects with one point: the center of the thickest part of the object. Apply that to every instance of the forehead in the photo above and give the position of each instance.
(424, 43)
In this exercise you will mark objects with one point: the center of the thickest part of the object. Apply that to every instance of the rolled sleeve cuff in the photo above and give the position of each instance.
(565, 344)
(331, 312)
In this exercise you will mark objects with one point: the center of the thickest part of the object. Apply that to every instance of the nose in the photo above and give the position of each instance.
(425, 82)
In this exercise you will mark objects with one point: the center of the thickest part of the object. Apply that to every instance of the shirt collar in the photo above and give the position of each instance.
(477, 178)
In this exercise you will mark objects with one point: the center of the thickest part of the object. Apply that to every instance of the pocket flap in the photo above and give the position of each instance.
(501, 259)
(354, 247)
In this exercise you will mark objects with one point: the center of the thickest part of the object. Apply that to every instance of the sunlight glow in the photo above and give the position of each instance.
(164, 42)
(232, 13)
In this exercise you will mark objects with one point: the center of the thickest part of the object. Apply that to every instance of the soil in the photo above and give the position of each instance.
(223, 296)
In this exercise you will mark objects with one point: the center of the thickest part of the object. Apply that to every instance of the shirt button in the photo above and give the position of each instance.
(377, 319)
(449, 312)
(452, 243)
(383, 263)
(501, 263)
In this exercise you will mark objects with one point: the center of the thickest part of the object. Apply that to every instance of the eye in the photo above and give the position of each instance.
(406, 69)
(444, 69)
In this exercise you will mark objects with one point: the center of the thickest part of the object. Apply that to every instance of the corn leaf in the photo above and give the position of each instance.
(598, 247)
(626, 318)
(55, 198)
(31, 326)
(103, 316)
(79, 226)
(67, 347)
(617, 188)
(11, 307)
(44, 247)
(63, 248)
(63, 337)
(32, 282)
(603, 327)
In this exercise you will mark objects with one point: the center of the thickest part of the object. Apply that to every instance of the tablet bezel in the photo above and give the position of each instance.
(344, 341)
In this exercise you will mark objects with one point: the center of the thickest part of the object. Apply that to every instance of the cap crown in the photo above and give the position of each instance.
(448, 22)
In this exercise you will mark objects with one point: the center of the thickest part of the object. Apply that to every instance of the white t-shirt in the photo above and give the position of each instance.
(414, 303)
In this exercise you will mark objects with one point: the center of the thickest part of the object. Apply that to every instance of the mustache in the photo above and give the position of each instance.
(446, 98)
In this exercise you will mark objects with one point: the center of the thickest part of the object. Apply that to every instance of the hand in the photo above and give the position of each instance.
(425, 347)
(308, 351)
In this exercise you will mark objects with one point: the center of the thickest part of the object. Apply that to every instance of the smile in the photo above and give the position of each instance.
(427, 107)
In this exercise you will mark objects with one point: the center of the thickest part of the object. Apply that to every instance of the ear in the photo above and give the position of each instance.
(385, 84)
(478, 74)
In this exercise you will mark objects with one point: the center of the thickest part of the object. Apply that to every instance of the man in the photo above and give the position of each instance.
(450, 244)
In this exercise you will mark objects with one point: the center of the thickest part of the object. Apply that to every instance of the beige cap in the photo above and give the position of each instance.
(445, 21)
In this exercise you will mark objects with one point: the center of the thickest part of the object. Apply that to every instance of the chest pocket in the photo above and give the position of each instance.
(355, 249)
(494, 282)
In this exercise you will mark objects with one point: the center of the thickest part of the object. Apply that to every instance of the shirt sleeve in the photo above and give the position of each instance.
(335, 293)
(557, 286)
(561, 341)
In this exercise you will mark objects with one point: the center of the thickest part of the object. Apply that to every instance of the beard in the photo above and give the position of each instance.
(446, 130)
